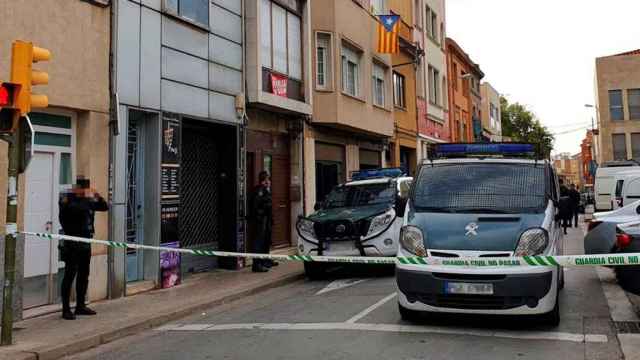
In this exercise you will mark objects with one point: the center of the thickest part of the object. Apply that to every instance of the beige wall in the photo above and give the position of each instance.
(615, 73)
(490, 96)
(350, 23)
(77, 34)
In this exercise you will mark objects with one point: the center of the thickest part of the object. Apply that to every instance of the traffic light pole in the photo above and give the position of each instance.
(11, 234)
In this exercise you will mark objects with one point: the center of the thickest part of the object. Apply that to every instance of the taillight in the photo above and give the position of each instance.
(623, 240)
(592, 225)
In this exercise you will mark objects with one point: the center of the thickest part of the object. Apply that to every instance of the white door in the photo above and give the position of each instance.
(40, 255)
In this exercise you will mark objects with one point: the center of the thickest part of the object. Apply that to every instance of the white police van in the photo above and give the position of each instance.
(482, 200)
(362, 217)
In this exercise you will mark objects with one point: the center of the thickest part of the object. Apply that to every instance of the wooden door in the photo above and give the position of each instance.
(281, 234)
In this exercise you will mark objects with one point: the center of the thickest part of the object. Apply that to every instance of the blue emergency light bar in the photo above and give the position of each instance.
(376, 173)
(489, 149)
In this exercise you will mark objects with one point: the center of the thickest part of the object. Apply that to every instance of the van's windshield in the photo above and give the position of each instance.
(360, 195)
(481, 188)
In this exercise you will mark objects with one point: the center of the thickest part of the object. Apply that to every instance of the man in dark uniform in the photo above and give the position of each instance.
(77, 210)
(574, 195)
(565, 206)
(262, 218)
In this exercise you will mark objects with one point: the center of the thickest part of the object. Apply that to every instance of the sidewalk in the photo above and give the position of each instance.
(50, 337)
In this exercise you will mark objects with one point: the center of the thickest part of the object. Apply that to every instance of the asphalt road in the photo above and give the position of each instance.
(353, 315)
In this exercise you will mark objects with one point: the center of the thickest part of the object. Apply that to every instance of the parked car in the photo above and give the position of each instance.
(628, 241)
(362, 217)
(601, 235)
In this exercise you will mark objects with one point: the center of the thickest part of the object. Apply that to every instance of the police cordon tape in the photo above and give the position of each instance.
(559, 260)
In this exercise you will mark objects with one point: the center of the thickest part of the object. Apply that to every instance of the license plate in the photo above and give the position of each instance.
(340, 246)
(468, 288)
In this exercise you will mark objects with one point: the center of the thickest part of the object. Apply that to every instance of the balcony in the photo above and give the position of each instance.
(295, 89)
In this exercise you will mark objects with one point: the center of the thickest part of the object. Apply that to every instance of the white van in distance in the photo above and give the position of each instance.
(605, 182)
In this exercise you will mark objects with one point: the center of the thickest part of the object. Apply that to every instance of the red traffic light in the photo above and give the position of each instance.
(4, 96)
(8, 94)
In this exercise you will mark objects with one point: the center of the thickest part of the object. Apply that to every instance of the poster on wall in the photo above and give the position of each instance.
(169, 181)
(279, 85)
(169, 237)
(170, 140)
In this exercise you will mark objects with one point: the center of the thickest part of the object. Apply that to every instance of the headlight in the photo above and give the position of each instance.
(306, 229)
(380, 223)
(412, 240)
(532, 242)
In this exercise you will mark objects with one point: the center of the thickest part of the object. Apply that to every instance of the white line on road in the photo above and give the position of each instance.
(396, 328)
(368, 310)
(340, 284)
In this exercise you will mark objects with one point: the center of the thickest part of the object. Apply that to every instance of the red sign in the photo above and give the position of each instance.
(279, 85)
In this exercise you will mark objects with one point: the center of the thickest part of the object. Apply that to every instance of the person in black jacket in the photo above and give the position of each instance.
(262, 219)
(574, 195)
(565, 206)
(77, 213)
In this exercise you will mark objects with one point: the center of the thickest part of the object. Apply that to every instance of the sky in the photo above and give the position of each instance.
(542, 53)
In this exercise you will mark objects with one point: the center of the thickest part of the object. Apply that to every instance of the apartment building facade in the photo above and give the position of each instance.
(464, 93)
(72, 137)
(433, 79)
(490, 114)
(352, 121)
(617, 91)
(279, 92)
(177, 165)
(403, 149)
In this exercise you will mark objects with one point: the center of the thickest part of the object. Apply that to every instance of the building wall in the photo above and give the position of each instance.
(491, 96)
(79, 84)
(345, 21)
(618, 72)
(459, 99)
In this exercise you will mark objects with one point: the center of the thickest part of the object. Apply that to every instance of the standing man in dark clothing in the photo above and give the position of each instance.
(574, 195)
(262, 218)
(565, 206)
(77, 213)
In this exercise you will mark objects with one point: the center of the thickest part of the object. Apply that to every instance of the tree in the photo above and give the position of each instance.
(522, 125)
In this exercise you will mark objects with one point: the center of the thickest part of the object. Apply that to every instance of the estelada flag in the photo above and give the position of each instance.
(388, 27)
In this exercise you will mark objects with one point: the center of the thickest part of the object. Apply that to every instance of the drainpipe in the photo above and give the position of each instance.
(113, 114)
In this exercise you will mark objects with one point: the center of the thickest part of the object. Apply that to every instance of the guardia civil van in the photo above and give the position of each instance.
(482, 200)
(362, 217)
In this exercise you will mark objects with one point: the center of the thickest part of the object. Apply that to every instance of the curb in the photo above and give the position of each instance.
(83, 344)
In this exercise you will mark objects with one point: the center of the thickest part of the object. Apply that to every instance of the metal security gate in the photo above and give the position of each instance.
(199, 196)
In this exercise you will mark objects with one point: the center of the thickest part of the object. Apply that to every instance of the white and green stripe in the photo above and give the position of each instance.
(538, 260)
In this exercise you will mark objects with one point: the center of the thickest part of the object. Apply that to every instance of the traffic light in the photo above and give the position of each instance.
(23, 55)
(9, 113)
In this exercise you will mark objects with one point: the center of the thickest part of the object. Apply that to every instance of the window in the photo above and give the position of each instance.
(398, 90)
(434, 26)
(193, 10)
(323, 60)
(377, 6)
(350, 71)
(442, 33)
(281, 40)
(493, 115)
(378, 84)
(633, 97)
(65, 169)
(635, 146)
(434, 85)
(619, 147)
(615, 105)
(445, 95)
(455, 76)
(429, 20)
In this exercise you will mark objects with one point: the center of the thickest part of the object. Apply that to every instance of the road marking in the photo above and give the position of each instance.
(340, 284)
(619, 305)
(368, 310)
(396, 328)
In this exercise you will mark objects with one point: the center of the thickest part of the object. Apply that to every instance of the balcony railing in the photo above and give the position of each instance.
(294, 87)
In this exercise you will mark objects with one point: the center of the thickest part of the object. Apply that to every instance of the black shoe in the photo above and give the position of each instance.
(68, 315)
(259, 269)
(84, 311)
